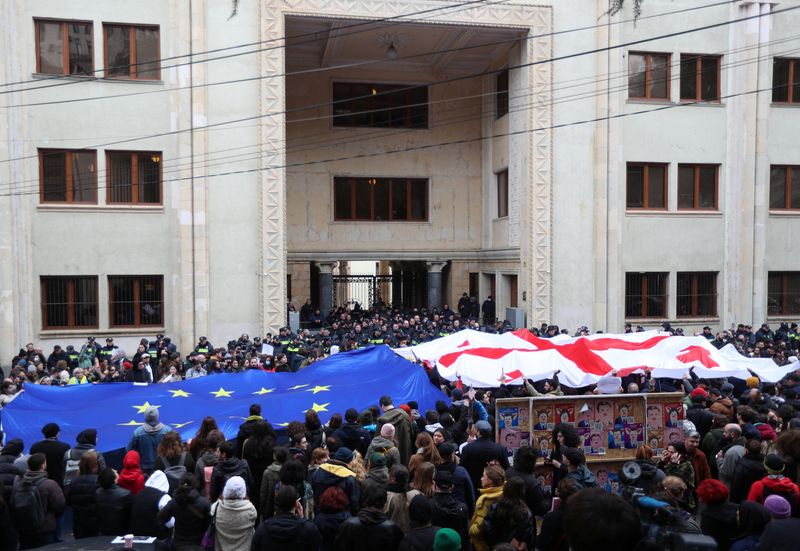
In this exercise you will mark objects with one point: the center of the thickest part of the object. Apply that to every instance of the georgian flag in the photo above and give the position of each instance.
(487, 360)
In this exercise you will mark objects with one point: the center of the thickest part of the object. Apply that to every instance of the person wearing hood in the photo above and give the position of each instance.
(146, 438)
(8, 469)
(370, 529)
(377, 472)
(86, 441)
(775, 483)
(234, 517)
(52, 500)
(402, 425)
(337, 473)
(351, 434)
(113, 504)
(749, 470)
(131, 477)
(333, 511)
(492, 483)
(384, 443)
(577, 469)
(229, 466)
(190, 511)
(287, 530)
(463, 490)
(146, 506)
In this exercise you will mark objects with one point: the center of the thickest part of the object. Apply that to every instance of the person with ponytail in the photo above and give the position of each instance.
(191, 512)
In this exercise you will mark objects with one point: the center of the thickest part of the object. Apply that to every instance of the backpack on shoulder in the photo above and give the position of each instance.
(174, 473)
(29, 509)
(71, 465)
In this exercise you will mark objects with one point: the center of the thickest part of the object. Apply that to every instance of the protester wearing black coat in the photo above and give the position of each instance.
(80, 496)
(54, 451)
(191, 511)
(286, 531)
(477, 455)
(113, 510)
(748, 471)
(370, 530)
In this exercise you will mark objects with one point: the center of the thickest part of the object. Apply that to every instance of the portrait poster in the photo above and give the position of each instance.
(634, 435)
(594, 442)
(604, 413)
(511, 439)
(673, 415)
(544, 442)
(655, 439)
(543, 417)
(585, 416)
(655, 416)
(508, 418)
(565, 413)
(624, 413)
(673, 436)
(606, 477)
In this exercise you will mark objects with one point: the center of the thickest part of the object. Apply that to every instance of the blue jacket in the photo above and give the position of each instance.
(145, 440)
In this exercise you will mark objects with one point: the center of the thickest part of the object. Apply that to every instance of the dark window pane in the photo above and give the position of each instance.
(796, 82)
(84, 184)
(382, 200)
(793, 292)
(54, 176)
(79, 36)
(118, 46)
(122, 299)
(51, 48)
(502, 94)
(706, 294)
(636, 75)
(688, 77)
(341, 199)
(659, 74)
(656, 295)
(777, 188)
(150, 178)
(419, 200)
(151, 300)
(708, 187)
(775, 293)
(633, 294)
(86, 301)
(399, 200)
(656, 175)
(380, 105)
(780, 79)
(635, 187)
(55, 298)
(684, 294)
(709, 67)
(686, 187)
(363, 199)
(502, 194)
(794, 194)
(146, 52)
(119, 178)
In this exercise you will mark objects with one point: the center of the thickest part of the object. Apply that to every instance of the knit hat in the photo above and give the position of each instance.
(726, 388)
(446, 449)
(777, 506)
(712, 491)
(443, 479)
(127, 365)
(345, 455)
(234, 488)
(446, 539)
(752, 382)
(483, 427)
(698, 394)
(774, 464)
(387, 431)
(377, 460)
(419, 509)
(151, 417)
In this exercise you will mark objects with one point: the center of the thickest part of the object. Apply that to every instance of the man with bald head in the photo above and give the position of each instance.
(731, 452)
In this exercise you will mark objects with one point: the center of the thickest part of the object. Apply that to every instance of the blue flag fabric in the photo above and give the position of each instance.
(354, 379)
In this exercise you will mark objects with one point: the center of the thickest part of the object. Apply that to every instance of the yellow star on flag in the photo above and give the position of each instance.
(144, 407)
(318, 389)
(320, 407)
(130, 423)
(222, 392)
(181, 425)
(180, 394)
(295, 387)
(264, 391)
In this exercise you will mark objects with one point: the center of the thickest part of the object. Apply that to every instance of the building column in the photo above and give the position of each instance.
(435, 283)
(326, 286)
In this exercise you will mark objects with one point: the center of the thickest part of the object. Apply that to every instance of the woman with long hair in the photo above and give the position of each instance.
(234, 517)
(333, 511)
(171, 453)
(492, 482)
(510, 520)
(209, 457)
(552, 536)
(190, 511)
(423, 479)
(426, 451)
(80, 496)
(564, 436)
(199, 441)
(257, 450)
(398, 497)
(334, 423)
(314, 431)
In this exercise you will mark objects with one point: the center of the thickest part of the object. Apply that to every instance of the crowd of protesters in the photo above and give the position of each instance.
(344, 329)
(393, 477)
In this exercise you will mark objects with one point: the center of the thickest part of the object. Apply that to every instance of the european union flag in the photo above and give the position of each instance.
(353, 379)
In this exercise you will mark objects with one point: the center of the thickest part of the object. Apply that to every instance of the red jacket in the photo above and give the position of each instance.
(777, 485)
(131, 477)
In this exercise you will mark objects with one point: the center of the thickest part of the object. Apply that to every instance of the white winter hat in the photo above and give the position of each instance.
(235, 488)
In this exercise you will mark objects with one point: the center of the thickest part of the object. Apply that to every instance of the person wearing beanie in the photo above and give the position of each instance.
(775, 483)
(234, 517)
(146, 438)
(402, 425)
(384, 444)
(446, 539)
(445, 510)
(86, 441)
(377, 472)
(463, 490)
(752, 382)
(336, 472)
(718, 517)
(783, 532)
(54, 450)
